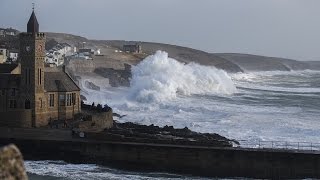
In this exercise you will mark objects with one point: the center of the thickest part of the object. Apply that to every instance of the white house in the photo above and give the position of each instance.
(2, 33)
(3, 55)
(57, 54)
(13, 55)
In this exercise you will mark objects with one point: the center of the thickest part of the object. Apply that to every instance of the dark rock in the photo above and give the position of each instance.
(166, 135)
(92, 86)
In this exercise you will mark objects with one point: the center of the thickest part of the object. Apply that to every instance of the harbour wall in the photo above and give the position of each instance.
(192, 160)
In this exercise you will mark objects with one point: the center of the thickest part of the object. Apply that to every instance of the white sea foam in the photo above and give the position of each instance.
(166, 92)
(62, 170)
(159, 78)
(306, 81)
(268, 106)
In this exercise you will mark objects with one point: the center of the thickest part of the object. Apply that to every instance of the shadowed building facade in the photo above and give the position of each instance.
(29, 94)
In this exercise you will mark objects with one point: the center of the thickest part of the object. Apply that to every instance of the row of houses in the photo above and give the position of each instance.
(85, 53)
(8, 32)
(56, 55)
(8, 55)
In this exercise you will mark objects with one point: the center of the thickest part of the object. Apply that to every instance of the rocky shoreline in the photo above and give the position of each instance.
(131, 132)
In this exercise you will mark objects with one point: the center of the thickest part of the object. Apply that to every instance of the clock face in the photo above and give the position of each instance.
(40, 48)
(28, 48)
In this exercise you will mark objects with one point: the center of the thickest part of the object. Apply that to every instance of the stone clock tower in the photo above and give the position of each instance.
(32, 56)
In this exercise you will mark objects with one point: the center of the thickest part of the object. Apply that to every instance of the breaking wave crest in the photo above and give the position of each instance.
(159, 78)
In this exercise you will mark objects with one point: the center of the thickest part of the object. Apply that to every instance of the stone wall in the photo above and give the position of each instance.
(192, 160)
(81, 66)
(58, 112)
(16, 118)
(99, 120)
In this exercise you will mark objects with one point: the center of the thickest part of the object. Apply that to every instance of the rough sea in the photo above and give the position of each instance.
(251, 107)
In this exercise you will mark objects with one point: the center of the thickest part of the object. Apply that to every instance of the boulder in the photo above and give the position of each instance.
(11, 164)
(92, 86)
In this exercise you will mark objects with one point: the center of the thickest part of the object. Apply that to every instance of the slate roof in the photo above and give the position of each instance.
(33, 25)
(7, 68)
(59, 81)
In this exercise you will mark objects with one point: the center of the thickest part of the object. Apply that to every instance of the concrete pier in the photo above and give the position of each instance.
(193, 160)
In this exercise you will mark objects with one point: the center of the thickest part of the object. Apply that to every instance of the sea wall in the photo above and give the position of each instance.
(100, 118)
(193, 160)
(81, 66)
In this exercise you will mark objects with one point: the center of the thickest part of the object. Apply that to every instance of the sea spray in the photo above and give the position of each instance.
(268, 106)
(159, 78)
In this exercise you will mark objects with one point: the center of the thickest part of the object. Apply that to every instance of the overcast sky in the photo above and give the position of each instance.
(283, 28)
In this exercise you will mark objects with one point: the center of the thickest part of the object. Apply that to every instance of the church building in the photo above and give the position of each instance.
(32, 95)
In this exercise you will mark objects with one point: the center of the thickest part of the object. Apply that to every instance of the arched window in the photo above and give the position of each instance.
(41, 103)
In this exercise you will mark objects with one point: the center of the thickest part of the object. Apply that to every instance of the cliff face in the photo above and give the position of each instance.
(11, 164)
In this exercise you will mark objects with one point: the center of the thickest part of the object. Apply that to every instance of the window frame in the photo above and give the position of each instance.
(51, 100)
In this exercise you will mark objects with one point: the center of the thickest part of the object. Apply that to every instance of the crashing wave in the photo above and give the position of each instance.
(159, 78)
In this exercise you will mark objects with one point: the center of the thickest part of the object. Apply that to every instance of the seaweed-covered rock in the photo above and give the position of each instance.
(11, 164)
(167, 135)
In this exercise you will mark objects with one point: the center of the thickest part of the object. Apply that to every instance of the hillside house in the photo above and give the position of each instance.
(132, 48)
(8, 32)
(55, 56)
(2, 33)
(13, 55)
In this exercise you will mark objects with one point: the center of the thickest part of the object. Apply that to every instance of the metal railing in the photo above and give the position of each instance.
(306, 146)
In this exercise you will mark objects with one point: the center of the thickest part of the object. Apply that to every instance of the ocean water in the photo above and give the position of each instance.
(251, 106)
(59, 170)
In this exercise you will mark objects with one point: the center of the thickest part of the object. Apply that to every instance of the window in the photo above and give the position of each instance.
(29, 79)
(41, 103)
(12, 104)
(51, 100)
(69, 99)
(26, 78)
(40, 71)
(73, 98)
(39, 76)
(62, 100)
